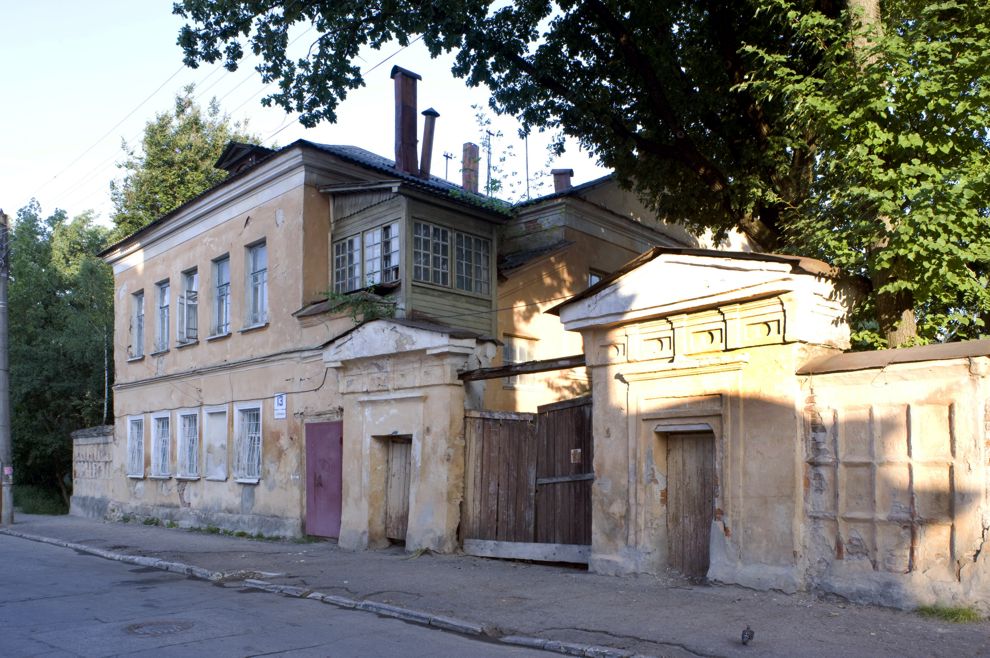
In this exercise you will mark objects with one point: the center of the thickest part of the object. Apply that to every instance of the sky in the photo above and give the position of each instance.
(79, 78)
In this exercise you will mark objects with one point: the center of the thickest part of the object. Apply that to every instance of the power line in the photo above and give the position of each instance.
(107, 134)
(363, 73)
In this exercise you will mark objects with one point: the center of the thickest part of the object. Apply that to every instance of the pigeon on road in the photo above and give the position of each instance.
(747, 635)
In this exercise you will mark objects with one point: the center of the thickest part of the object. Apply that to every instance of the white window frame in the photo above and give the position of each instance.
(135, 447)
(369, 258)
(137, 325)
(256, 287)
(220, 325)
(188, 449)
(382, 254)
(187, 322)
(214, 449)
(161, 446)
(247, 448)
(162, 292)
(347, 264)
(472, 259)
(594, 276)
(518, 349)
(431, 253)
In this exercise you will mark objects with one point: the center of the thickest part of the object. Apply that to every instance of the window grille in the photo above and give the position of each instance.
(347, 264)
(135, 448)
(189, 445)
(247, 465)
(160, 447)
(381, 254)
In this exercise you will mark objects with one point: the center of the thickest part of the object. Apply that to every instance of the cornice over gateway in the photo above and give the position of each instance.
(698, 301)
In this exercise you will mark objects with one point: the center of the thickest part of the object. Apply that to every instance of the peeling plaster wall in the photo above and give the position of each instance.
(402, 382)
(895, 484)
(246, 365)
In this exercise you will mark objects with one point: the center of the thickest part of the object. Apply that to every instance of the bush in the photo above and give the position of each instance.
(32, 499)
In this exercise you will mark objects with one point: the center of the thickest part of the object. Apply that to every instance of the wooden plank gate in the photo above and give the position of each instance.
(528, 483)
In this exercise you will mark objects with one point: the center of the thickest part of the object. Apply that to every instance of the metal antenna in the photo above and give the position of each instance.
(448, 156)
(488, 146)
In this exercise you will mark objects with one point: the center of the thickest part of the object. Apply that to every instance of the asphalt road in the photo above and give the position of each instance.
(56, 602)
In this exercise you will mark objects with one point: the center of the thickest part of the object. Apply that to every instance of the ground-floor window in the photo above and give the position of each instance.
(188, 453)
(161, 440)
(215, 431)
(247, 442)
(135, 447)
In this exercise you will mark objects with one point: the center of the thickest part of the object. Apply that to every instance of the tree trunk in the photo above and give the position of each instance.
(894, 311)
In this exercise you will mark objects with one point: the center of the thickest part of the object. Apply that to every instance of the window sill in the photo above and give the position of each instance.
(253, 327)
(136, 477)
(159, 352)
(214, 337)
(215, 479)
(187, 478)
(135, 359)
(188, 343)
(159, 477)
(247, 480)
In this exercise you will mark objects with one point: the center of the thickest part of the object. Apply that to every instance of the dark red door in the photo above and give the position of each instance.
(324, 450)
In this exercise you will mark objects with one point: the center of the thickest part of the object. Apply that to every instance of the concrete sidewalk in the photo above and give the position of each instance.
(561, 609)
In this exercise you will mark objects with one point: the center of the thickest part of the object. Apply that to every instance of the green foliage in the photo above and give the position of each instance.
(900, 191)
(174, 163)
(362, 305)
(31, 499)
(867, 148)
(61, 341)
(957, 615)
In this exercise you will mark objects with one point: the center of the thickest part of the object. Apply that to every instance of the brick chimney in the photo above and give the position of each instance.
(405, 120)
(428, 123)
(562, 179)
(470, 157)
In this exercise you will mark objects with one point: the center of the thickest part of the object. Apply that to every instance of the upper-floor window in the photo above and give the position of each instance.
(432, 256)
(187, 329)
(594, 277)
(472, 256)
(366, 259)
(137, 325)
(257, 284)
(161, 316)
(221, 296)
(516, 349)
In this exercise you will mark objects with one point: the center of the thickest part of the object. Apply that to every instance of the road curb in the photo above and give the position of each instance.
(383, 609)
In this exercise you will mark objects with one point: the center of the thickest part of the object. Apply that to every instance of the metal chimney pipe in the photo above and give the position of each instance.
(470, 156)
(405, 120)
(428, 126)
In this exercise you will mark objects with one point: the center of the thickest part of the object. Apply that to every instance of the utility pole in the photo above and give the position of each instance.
(6, 462)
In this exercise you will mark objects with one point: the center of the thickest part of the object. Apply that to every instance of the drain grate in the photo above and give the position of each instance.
(158, 628)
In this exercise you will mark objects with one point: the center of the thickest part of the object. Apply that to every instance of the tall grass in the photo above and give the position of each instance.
(32, 499)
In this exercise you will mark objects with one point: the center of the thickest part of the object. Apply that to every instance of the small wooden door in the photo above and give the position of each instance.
(690, 501)
(397, 489)
(324, 453)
